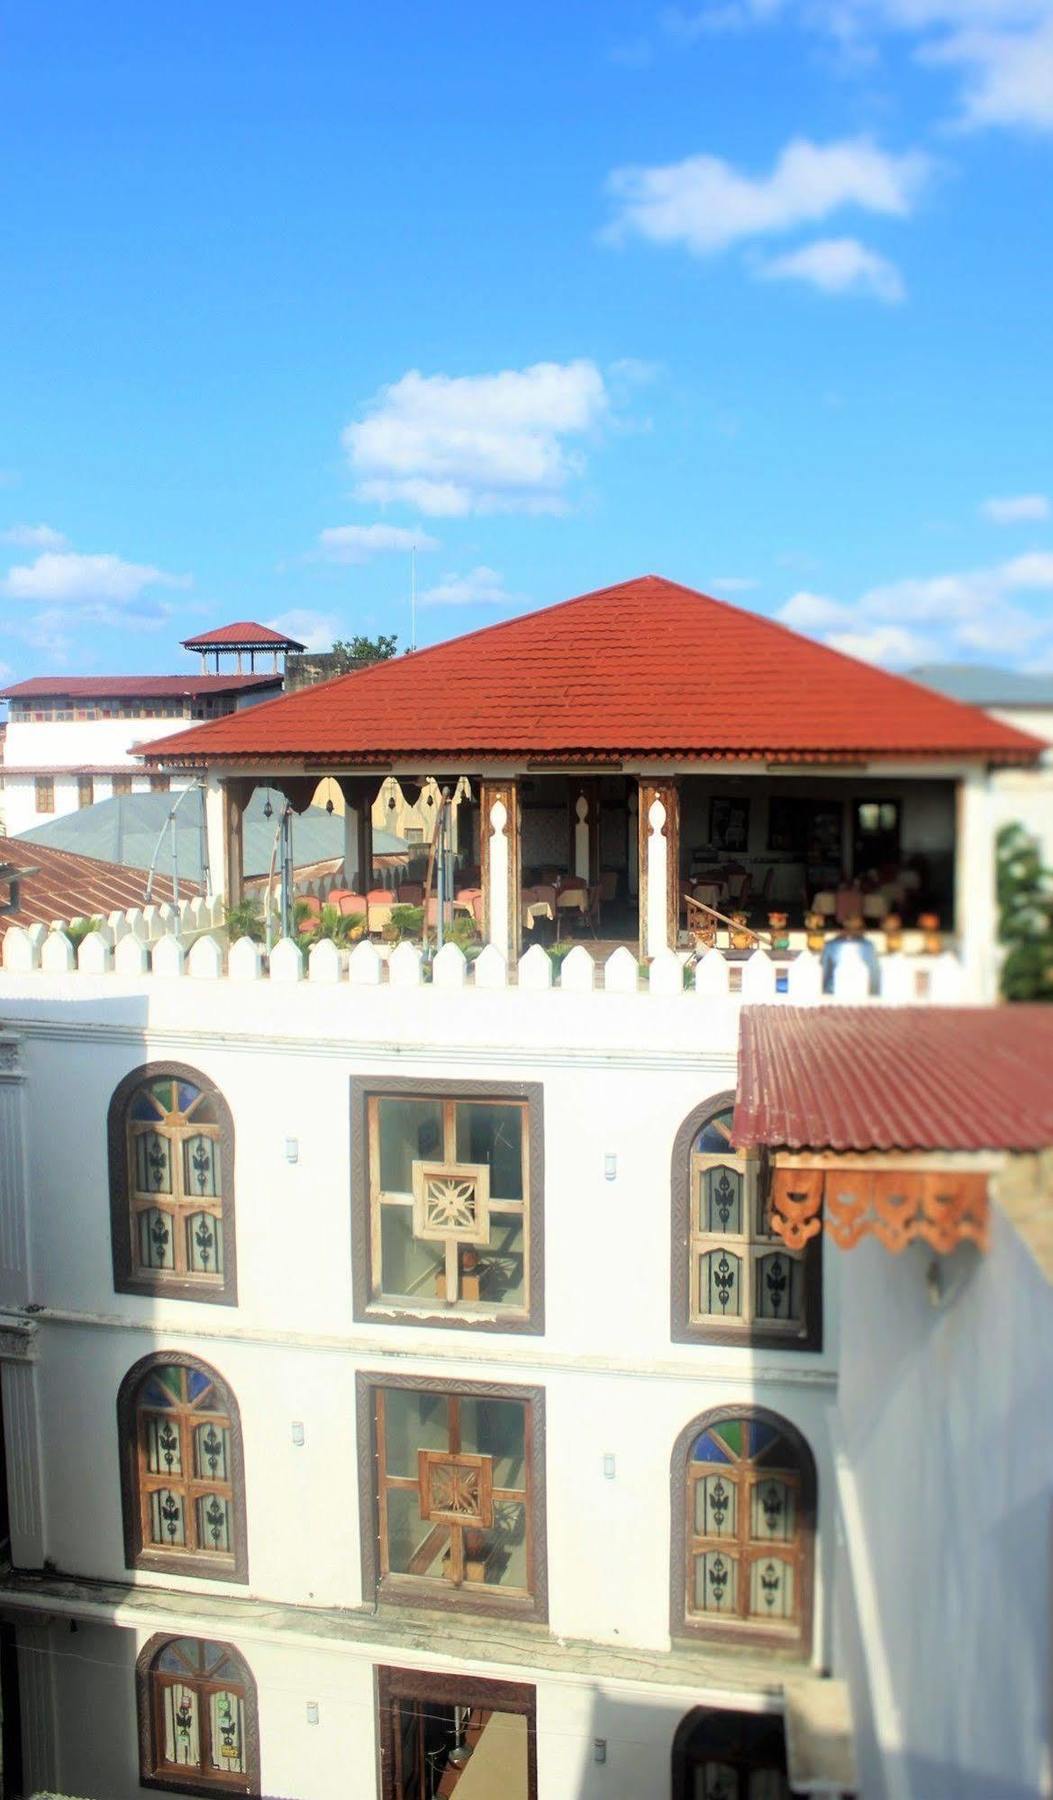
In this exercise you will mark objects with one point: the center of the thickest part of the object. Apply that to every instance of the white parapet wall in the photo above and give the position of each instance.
(178, 941)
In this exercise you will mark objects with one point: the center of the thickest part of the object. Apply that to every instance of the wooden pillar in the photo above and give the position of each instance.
(225, 801)
(659, 830)
(500, 863)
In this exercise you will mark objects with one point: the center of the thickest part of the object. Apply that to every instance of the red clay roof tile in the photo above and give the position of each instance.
(244, 633)
(646, 668)
(134, 687)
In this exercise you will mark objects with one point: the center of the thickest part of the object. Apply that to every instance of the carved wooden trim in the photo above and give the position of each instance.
(393, 1685)
(536, 1607)
(148, 1755)
(684, 1330)
(125, 1278)
(138, 1555)
(941, 1207)
(795, 1644)
(364, 1307)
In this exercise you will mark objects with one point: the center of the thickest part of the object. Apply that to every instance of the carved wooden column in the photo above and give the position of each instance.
(500, 862)
(584, 821)
(659, 829)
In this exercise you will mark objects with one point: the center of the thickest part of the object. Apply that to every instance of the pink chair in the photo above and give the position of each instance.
(410, 893)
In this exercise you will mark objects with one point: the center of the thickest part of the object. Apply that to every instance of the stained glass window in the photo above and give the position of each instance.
(184, 1427)
(176, 1190)
(742, 1277)
(454, 1493)
(745, 1526)
(202, 1707)
(449, 1200)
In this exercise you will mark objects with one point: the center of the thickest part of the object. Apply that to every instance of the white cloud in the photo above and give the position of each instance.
(839, 266)
(34, 537)
(480, 586)
(454, 445)
(1016, 509)
(732, 584)
(705, 205)
(971, 612)
(315, 629)
(359, 543)
(1003, 49)
(65, 578)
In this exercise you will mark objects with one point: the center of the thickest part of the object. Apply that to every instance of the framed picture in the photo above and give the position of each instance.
(786, 823)
(729, 824)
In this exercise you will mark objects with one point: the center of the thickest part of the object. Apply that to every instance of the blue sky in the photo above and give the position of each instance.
(751, 293)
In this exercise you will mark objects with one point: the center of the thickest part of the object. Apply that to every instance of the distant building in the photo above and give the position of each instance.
(1024, 795)
(71, 740)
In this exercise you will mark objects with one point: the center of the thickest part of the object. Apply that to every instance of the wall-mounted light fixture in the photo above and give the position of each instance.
(292, 1150)
(610, 1166)
(608, 1467)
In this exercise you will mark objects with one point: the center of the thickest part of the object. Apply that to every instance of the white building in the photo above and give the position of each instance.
(72, 740)
(426, 1386)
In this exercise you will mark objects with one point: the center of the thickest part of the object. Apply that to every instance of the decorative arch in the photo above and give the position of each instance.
(732, 1278)
(743, 1508)
(198, 1714)
(170, 1136)
(182, 1469)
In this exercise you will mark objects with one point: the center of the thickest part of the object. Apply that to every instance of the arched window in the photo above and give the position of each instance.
(743, 1485)
(182, 1483)
(730, 1756)
(171, 1140)
(733, 1279)
(198, 1721)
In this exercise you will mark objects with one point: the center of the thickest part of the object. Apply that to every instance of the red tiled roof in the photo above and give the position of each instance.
(70, 886)
(244, 635)
(648, 668)
(854, 1078)
(133, 687)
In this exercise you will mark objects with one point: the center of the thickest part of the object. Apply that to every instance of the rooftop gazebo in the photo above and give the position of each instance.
(244, 638)
(634, 746)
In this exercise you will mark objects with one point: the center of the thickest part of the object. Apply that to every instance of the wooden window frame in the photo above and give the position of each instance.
(173, 1779)
(128, 1276)
(406, 1590)
(689, 1243)
(685, 1625)
(139, 1551)
(369, 1304)
(394, 1685)
(44, 793)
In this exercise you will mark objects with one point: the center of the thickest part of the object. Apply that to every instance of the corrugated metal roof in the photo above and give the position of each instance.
(895, 1078)
(980, 685)
(244, 633)
(133, 687)
(647, 668)
(69, 886)
(126, 829)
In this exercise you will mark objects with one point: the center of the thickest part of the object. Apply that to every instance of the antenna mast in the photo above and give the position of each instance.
(413, 596)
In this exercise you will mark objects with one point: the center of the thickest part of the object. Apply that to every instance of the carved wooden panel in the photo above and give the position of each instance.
(451, 1202)
(456, 1489)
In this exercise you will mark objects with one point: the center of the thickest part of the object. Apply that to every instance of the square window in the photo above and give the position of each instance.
(456, 1517)
(446, 1204)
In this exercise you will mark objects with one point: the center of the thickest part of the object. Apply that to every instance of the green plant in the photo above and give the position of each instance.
(407, 921)
(557, 954)
(1025, 916)
(311, 927)
(78, 929)
(245, 919)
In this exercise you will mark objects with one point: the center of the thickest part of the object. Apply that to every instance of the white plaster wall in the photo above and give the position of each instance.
(78, 743)
(948, 1435)
(617, 1078)
(1038, 720)
(19, 797)
(1025, 797)
(94, 1679)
